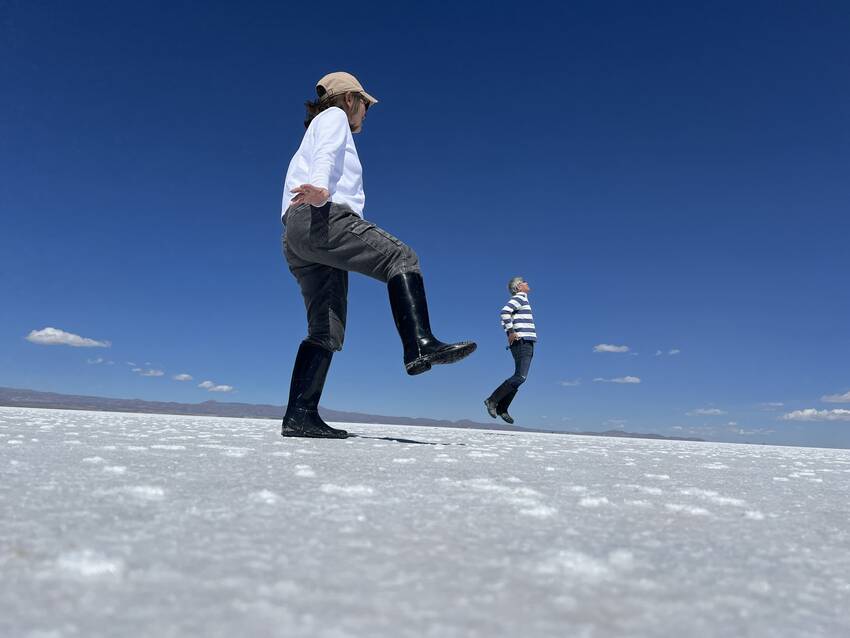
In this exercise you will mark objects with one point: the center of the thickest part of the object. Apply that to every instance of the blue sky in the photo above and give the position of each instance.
(667, 177)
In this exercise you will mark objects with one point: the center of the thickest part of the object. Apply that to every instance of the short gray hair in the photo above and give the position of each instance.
(514, 283)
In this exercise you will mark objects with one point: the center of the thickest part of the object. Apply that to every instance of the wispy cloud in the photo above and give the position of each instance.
(55, 337)
(771, 405)
(811, 414)
(607, 347)
(182, 377)
(570, 383)
(209, 386)
(836, 398)
(628, 379)
(149, 373)
(671, 352)
(705, 412)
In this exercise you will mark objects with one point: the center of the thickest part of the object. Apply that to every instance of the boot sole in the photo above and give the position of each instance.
(303, 435)
(336, 434)
(451, 355)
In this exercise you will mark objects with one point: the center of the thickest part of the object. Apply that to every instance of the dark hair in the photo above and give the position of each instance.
(323, 104)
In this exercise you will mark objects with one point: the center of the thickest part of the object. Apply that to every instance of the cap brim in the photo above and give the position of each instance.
(369, 97)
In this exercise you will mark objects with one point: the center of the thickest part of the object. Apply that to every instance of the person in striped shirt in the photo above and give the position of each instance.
(518, 324)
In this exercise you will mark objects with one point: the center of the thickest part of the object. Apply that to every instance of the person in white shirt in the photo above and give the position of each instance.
(325, 237)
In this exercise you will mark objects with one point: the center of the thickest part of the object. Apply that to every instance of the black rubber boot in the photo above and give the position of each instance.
(308, 378)
(410, 311)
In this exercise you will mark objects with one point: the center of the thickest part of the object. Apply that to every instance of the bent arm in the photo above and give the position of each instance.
(331, 132)
(507, 314)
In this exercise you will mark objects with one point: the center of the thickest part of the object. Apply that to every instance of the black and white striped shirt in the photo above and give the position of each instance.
(516, 317)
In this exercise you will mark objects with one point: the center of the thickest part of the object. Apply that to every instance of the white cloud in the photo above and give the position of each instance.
(607, 347)
(836, 398)
(212, 387)
(95, 362)
(628, 379)
(149, 373)
(771, 405)
(811, 414)
(705, 412)
(222, 388)
(182, 377)
(570, 383)
(56, 337)
(658, 353)
(674, 351)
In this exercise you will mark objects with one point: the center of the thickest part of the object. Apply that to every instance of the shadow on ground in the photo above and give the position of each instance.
(397, 440)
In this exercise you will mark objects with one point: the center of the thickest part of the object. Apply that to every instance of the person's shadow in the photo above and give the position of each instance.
(398, 440)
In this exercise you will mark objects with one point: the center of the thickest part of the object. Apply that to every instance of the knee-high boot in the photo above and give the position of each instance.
(410, 311)
(308, 379)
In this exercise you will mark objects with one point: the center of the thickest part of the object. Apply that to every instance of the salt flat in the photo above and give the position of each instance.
(117, 524)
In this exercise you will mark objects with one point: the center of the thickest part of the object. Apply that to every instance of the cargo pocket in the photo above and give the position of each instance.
(376, 238)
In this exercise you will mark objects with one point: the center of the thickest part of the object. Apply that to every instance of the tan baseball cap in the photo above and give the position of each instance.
(341, 82)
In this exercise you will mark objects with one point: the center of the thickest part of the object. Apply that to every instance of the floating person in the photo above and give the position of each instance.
(325, 236)
(518, 323)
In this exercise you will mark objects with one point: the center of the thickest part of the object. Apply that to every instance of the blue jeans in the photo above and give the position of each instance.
(523, 352)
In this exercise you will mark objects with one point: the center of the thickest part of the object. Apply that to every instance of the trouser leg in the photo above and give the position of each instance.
(522, 352)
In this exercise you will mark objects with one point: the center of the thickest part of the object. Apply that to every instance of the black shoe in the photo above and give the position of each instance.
(507, 418)
(491, 407)
(308, 379)
(410, 311)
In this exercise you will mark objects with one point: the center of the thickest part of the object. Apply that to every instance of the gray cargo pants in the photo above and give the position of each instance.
(321, 245)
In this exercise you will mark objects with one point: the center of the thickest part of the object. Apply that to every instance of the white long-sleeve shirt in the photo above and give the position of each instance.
(327, 158)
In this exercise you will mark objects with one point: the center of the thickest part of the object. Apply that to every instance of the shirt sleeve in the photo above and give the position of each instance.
(331, 132)
(507, 314)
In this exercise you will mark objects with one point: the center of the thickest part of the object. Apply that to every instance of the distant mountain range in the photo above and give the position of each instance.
(14, 397)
